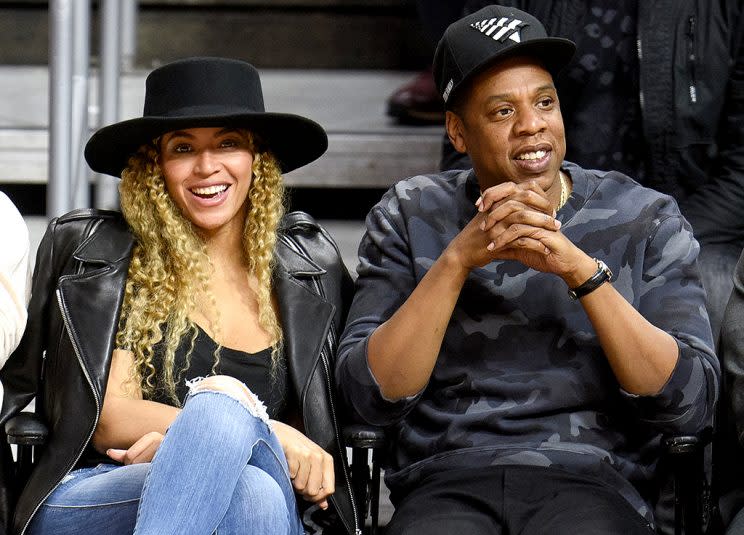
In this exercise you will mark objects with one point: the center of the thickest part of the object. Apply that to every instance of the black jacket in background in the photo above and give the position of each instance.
(65, 353)
(695, 145)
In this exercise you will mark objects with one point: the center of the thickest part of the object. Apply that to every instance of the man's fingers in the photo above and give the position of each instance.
(520, 237)
(495, 194)
(512, 212)
(519, 200)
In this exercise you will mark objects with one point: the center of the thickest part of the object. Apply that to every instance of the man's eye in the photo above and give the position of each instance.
(229, 143)
(546, 102)
(500, 113)
(181, 147)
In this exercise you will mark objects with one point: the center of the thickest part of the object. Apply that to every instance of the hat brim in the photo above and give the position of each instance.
(554, 52)
(294, 140)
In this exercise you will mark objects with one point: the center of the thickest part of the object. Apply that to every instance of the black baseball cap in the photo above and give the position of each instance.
(474, 42)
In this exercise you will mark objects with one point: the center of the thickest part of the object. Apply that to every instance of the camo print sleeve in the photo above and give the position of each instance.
(669, 286)
(386, 279)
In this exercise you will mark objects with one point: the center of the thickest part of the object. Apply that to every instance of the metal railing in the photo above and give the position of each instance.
(69, 83)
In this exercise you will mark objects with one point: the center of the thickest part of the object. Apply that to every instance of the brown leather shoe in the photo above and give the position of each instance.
(417, 102)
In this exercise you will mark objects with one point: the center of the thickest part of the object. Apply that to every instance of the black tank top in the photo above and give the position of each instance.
(253, 369)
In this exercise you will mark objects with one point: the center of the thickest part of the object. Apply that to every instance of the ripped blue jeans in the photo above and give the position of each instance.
(219, 469)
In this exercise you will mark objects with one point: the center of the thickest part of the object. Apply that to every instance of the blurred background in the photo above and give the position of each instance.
(68, 67)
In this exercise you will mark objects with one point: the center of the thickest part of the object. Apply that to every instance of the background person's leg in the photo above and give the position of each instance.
(418, 101)
(717, 263)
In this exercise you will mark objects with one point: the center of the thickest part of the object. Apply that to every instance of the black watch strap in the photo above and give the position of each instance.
(602, 275)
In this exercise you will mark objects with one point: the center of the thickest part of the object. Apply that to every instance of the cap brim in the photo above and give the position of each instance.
(554, 52)
(294, 140)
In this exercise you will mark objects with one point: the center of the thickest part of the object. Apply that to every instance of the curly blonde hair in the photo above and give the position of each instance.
(170, 266)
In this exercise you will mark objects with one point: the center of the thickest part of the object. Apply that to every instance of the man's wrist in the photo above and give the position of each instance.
(452, 264)
(598, 278)
(584, 270)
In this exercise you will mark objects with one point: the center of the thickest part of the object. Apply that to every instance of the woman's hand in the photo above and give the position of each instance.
(141, 451)
(310, 466)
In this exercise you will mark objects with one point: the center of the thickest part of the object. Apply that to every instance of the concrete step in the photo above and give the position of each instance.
(367, 149)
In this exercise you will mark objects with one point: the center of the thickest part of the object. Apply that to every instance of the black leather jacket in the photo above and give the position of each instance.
(65, 352)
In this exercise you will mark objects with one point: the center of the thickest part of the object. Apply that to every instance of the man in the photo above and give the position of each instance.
(667, 79)
(526, 329)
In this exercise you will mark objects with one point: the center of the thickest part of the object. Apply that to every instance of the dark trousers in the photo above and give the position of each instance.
(513, 500)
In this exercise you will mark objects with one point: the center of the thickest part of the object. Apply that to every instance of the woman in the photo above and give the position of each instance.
(203, 277)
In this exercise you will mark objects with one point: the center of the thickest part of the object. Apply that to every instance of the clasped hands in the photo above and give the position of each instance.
(517, 222)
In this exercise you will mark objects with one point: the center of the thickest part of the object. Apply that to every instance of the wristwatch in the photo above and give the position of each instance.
(602, 275)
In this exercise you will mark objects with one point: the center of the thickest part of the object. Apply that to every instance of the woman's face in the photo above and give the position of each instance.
(208, 173)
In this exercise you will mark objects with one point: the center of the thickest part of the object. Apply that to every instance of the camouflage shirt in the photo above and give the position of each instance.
(521, 377)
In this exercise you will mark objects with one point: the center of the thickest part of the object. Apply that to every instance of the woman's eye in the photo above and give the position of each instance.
(181, 148)
(229, 143)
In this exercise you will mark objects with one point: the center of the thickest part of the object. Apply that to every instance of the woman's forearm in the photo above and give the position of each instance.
(124, 421)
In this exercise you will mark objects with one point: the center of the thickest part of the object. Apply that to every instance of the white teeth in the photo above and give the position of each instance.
(211, 190)
(532, 155)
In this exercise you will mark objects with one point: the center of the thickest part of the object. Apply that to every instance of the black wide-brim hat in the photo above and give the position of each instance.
(493, 33)
(206, 92)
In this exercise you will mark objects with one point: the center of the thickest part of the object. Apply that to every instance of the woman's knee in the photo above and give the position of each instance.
(233, 388)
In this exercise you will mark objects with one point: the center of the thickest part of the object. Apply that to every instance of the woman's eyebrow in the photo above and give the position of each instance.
(178, 133)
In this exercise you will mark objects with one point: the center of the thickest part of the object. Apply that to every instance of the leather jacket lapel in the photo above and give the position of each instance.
(305, 316)
(90, 301)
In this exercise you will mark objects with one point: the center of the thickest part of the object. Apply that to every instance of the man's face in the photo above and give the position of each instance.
(510, 124)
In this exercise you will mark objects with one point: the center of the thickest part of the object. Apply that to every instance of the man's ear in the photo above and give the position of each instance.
(454, 126)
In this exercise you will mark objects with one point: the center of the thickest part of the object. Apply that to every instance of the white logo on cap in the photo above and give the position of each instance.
(447, 90)
(500, 29)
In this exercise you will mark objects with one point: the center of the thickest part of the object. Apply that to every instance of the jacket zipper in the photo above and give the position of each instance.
(339, 444)
(691, 57)
(95, 422)
(639, 49)
(341, 447)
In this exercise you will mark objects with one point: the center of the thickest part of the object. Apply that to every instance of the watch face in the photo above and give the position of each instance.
(604, 267)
